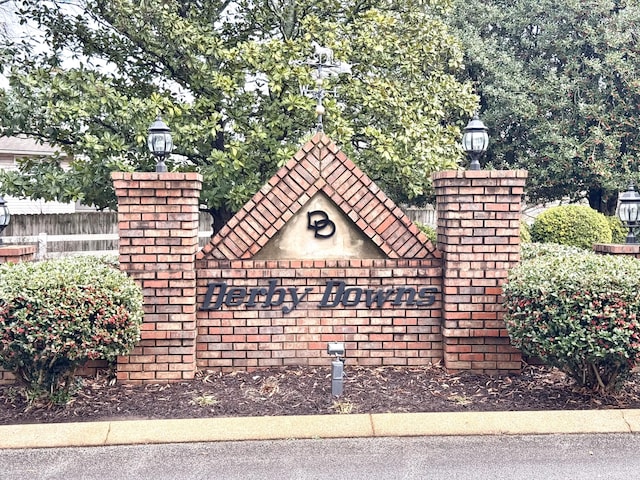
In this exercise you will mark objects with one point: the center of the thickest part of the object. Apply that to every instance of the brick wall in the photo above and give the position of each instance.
(240, 337)
(630, 249)
(189, 323)
(90, 369)
(249, 337)
(17, 253)
(479, 237)
(158, 224)
(319, 167)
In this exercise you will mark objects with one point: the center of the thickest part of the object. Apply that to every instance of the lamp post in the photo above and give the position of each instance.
(475, 141)
(160, 143)
(629, 211)
(5, 217)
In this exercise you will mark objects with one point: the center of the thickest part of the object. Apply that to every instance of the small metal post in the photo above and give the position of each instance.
(337, 377)
(337, 367)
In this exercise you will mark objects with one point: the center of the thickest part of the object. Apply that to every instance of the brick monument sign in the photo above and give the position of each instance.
(320, 254)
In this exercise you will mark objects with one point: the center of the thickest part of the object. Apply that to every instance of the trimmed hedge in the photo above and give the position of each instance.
(618, 230)
(525, 232)
(58, 314)
(575, 225)
(579, 312)
(529, 251)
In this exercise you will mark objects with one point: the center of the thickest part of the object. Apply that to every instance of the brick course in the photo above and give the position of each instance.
(319, 167)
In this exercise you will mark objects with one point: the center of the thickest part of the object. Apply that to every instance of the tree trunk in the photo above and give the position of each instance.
(603, 201)
(220, 217)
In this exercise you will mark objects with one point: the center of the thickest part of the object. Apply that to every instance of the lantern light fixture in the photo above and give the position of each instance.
(629, 211)
(475, 141)
(160, 143)
(5, 216)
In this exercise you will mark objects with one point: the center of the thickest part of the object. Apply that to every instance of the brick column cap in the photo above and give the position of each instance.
(445, 174)
(154, 176)
(186, 184)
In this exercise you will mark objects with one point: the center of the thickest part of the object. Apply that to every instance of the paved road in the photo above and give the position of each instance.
(544, 457)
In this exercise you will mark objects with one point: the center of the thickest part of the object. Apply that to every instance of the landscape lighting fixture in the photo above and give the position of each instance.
(336, 350)
(5, 217)
(629, 211)
(160, 143)
(475, 141)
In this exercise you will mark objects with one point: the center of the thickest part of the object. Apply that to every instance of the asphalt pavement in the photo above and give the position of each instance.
(487, 457)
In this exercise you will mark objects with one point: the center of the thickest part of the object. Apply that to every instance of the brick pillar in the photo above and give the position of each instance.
(479, 237)
(158, 227)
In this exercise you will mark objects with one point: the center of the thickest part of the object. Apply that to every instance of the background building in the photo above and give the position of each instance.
(14, 148)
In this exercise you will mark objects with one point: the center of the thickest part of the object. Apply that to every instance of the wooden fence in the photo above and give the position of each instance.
(424, 215)
(83, 233)
(96, 233)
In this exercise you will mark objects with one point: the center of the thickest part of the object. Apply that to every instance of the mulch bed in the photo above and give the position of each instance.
(307, 391)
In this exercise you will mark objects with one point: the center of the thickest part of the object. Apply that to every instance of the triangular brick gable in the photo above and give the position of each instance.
(319, 166)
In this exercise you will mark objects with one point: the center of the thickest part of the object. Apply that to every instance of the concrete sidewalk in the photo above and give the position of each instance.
(130, 432)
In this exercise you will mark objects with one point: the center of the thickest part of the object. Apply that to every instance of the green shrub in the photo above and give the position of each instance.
(525, 232)
(578, 312)
(575, 225)
(618, 230)
(429, 231)
(529, 251)
(56, 315)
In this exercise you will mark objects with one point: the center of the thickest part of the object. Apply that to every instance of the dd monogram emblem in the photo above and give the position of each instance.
(319, 222)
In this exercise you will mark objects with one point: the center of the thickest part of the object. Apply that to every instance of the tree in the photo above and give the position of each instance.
(559, 83)
(226, 78)
(7, 19)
